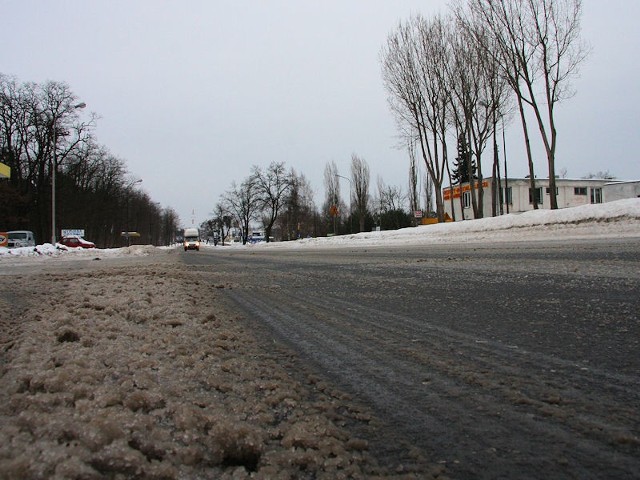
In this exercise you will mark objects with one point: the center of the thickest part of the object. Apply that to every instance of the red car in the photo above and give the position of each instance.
(75, 242)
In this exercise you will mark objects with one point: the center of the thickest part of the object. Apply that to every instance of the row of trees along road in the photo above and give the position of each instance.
(456, 76)
(282, 202)
(94, 190)
(279, 198)
(449, 78)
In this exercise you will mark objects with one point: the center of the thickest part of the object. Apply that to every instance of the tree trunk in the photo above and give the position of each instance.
(472, 186)
(525, 130)
(496, 188)
(451, 199)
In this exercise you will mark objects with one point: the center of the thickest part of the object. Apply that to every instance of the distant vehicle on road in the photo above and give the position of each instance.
(191, 239)
(73, 241)
(257, 237)
(21, 238)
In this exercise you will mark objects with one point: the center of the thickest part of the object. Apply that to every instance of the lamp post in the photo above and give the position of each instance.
(350, 212)
(53, 173)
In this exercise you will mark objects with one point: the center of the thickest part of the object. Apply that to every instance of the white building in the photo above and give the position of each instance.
(516, 197)
(620, 190)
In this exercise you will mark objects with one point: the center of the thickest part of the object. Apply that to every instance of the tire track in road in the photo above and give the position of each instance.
(487, 363)
(479, 405)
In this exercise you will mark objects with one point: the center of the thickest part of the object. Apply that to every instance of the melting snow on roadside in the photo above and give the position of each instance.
(614, 219)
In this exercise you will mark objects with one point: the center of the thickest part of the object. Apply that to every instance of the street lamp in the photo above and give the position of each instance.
(53, 174)
(350, 212)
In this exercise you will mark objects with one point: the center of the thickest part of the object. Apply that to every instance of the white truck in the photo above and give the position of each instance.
(191, 239)
(21, 238)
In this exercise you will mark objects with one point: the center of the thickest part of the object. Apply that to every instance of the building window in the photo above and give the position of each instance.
(580, 191)
(549, 191)
(508, 196)
(466, 199)
(538, 196)
(596, 195)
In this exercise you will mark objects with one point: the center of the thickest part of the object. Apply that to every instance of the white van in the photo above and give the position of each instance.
(257, 237)
(191, 239)
(21, 238)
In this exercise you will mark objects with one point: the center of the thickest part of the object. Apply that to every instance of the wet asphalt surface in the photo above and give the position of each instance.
(515, 360)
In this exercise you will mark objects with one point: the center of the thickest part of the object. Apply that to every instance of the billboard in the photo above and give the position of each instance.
(72, 232)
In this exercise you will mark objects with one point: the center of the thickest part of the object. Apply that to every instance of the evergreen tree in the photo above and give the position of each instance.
(460, 172)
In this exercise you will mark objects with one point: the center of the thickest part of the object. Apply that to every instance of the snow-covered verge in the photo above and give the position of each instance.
(60, 251)
(610, 220)
(614, 219)
(141, 370)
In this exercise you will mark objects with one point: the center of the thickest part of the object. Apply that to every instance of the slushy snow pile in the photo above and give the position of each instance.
(143, 371)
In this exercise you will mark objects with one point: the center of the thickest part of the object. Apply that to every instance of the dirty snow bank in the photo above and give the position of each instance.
(614, 219)
(49, 250)
(140, 375)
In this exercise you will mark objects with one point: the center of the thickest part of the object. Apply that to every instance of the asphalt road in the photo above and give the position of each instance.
(516, 360)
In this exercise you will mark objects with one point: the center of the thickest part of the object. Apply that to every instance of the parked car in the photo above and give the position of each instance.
(256, 237)
(21, 238)
(76, 242)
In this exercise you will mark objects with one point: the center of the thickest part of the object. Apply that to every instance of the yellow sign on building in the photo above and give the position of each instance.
(5, 171)
(456, 190)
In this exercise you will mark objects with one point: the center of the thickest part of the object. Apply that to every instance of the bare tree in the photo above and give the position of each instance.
(493, 95)
(35, 119)
(331, 184)
(299, 215)
(412, 70)
(414, 196)
(428, 191)
(170, 222)
(332, 192)
(389, 205)
(537, 42)
(91, 188)
(272, 187)
(606, 175)
(500, 103)
(243, 201)
(221, 221)
(360, 178)
(464, 73)
(478, 92)
(391, 196)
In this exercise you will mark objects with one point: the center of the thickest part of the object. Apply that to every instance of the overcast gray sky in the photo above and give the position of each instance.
(192, 94)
